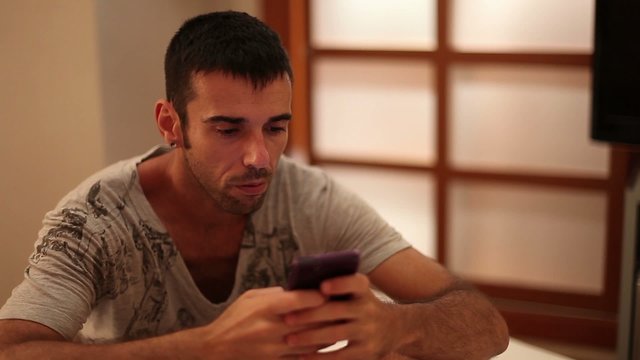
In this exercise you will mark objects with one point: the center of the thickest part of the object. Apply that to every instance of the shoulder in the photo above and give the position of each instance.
(100, 195)
(292, 171)
(102, 190)
(310, 187)
(299, 182)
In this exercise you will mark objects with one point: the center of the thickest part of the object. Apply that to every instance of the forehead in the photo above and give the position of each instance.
(222, 90)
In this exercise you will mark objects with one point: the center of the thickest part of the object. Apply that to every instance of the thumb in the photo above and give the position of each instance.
(253, 293)
(290, 301)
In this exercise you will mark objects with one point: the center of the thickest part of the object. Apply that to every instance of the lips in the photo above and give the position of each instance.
(253, 188)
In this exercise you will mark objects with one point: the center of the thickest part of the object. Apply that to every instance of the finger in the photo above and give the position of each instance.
(302, 350)
(330, 312)
(321, 335)
(357, 285)
(262, 292)
(292, 301)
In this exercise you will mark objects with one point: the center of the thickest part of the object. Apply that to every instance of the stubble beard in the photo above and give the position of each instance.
(222, 197)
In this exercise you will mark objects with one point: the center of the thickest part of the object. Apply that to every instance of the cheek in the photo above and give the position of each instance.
(276, 149)
(213, 163)
(279, 144)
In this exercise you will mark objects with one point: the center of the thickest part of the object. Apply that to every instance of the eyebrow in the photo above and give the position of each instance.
(240, 120)
(281, 117)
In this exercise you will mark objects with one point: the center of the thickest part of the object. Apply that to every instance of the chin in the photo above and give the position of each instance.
(238, 207)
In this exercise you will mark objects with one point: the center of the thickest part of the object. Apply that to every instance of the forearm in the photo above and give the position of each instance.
(461, 324)
(180, 345)
(252, 327)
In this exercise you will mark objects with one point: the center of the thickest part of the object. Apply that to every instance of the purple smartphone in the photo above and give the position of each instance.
(308, 272)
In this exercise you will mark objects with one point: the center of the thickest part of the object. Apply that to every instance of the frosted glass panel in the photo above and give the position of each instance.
(524, 118)
(532, 237)
(402, 198)
(374, 110)
(373, 24)
(523, 25)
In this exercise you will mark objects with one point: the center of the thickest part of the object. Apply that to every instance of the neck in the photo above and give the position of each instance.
(167, 180)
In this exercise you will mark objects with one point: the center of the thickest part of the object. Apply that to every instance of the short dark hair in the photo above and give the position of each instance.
(231, 42)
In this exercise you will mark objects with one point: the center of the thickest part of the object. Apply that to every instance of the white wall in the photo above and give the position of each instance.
(78, 81)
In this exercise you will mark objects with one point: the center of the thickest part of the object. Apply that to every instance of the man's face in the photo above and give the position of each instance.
(237, 134)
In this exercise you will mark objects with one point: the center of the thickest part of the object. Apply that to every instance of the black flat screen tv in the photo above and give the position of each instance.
(615, 115)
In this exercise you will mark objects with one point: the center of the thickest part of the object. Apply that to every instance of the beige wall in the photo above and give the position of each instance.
(133, 36)
(78, 80)
(50, 101)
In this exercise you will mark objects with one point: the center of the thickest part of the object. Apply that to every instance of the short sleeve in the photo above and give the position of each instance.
(57, 290)
(353, 224)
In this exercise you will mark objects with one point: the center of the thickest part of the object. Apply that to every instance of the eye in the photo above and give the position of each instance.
(277, 127)
(227, 131)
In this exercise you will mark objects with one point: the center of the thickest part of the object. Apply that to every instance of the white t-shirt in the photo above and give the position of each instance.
(104, 268)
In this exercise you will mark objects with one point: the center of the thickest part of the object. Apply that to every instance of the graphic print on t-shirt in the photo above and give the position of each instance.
(270, 255)
(108, 260)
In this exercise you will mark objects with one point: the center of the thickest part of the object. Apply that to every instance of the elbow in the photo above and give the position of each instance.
(9, 351)
(4, 351)
(501, 337)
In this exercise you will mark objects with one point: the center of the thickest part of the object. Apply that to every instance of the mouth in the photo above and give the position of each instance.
(253, 188)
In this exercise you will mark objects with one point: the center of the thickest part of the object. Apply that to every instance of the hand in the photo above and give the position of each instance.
(253, 327)
(368, 324)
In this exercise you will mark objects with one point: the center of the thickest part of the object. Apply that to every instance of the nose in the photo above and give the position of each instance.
(256, 153)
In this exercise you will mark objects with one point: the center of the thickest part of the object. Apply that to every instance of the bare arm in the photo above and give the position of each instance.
(443, 317)
(460, 324)
(438, 316)
(255, 319)
(23, 339)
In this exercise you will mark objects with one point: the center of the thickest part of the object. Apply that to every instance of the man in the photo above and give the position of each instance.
(183, 252)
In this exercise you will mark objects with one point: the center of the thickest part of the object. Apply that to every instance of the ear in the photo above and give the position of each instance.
(168, 123)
